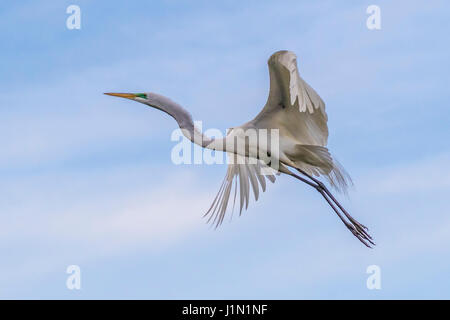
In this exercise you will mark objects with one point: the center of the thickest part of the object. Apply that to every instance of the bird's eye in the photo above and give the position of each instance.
(141, 95)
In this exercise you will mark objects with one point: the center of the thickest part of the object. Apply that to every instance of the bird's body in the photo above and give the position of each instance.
(296, 113)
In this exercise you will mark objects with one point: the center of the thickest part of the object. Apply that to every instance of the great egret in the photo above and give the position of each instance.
(297, 111)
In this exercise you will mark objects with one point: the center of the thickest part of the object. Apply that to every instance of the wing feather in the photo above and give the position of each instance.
(253, 180)
(244, 176)
(297, 111)
(293, 106)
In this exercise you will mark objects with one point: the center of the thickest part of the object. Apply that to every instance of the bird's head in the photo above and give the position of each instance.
(149, 98)
(159, 102)
(139, 97)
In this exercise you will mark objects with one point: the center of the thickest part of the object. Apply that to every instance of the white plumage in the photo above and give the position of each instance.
(302, 123)
(297, 112)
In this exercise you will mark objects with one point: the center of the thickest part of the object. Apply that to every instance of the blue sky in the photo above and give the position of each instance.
(88, 180)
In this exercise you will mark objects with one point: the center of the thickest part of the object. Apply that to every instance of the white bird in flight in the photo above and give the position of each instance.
(298, 113)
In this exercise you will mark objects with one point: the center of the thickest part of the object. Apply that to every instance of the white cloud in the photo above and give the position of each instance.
(57, 218)
(426, 175)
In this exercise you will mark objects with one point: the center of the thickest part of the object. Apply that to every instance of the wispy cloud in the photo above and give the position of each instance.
(69, 217)
(75, 190)
(431, 174)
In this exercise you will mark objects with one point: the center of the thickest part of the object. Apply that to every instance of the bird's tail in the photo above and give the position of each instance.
(317, 161)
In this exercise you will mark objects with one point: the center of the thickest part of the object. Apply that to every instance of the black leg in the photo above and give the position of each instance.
(357, 229)
(360, 227)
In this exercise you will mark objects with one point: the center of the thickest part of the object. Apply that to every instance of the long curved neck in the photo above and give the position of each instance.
(184, 120)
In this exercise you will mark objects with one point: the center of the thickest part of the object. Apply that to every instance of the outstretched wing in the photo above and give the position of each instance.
(298, 112)
(245, 175)
(293, 106)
